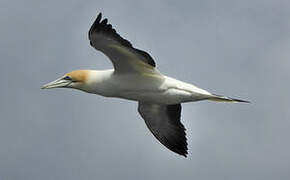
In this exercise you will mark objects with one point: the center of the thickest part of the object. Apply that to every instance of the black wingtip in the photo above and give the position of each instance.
(184, 153)
(99, 17)
(96, 22)
(182, 150)
(104, 21)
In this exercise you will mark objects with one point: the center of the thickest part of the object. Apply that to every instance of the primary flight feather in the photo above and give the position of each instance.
(135, 77)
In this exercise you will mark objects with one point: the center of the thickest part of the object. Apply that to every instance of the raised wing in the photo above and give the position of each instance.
(124, 56)
(164, 122)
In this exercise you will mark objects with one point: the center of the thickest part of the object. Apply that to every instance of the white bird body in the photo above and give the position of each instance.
(145, 87)
(136, 78)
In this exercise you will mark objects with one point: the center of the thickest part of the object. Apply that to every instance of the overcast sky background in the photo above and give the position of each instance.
(235, 48)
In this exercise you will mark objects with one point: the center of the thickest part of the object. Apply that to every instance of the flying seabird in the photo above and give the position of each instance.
(136, 78)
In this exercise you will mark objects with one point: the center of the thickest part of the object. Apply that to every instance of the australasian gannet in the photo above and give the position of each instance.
(135, 77)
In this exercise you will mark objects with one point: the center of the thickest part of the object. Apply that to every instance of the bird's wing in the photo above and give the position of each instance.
(124, 56)
(164, 122)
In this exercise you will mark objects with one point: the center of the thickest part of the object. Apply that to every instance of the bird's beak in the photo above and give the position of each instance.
(59, 83)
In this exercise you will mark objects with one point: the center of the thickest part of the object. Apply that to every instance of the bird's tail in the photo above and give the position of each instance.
(219, 98)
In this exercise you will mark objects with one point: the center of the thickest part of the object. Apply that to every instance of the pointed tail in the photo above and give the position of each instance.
(219, 98)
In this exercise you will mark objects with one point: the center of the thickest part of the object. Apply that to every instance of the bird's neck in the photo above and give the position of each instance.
(98, 82)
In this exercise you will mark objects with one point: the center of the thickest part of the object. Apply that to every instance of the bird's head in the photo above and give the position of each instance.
(76, 79)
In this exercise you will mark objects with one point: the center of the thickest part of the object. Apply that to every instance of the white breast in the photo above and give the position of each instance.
(143, 87)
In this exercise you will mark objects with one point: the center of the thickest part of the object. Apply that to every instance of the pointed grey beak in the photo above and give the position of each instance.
(59, 83)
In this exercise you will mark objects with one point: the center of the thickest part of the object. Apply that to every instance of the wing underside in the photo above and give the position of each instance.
(124, 56)
(164, 123)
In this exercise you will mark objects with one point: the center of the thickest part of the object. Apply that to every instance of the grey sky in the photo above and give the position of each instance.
(235, 48)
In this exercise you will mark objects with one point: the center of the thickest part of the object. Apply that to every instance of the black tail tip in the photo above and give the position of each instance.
(242, 101)
(229, 99)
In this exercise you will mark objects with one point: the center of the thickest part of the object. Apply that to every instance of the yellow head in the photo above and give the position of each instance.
(75, 79)
(80, 76)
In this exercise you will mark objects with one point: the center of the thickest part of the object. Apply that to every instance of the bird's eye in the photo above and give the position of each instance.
(67, 78)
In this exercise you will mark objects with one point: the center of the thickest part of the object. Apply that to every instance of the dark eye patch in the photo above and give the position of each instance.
(67, 78)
